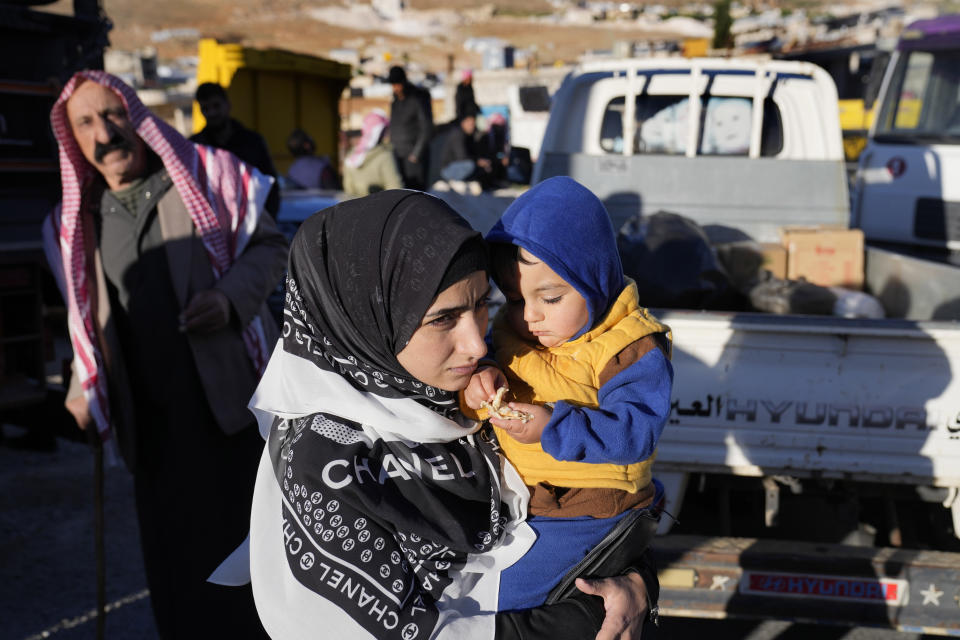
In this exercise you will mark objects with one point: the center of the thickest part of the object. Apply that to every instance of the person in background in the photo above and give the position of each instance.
(411, 121)
(165, 261)
(495, 147)
(464, 101)
(371, 166)
(461, 160)
(224, 132)
(308, 170)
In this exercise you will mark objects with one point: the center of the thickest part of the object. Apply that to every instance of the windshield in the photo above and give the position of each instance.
(923, 102)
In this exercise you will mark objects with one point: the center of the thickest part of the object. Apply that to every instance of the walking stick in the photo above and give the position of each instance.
(98, 542)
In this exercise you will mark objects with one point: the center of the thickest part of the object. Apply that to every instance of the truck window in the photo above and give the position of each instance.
(726, 127)
(534, 98)
(923, 102)
(611, 128)
(662, 126)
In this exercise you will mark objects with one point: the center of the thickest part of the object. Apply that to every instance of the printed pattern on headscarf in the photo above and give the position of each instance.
(223, 196)
(366, 290)
(377, 527)
(302, 339)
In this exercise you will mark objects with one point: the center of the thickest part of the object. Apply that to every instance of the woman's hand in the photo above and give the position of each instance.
(526, 432)
(483, 386)
(625, 601)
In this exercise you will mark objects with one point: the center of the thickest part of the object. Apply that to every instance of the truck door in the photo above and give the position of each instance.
(907, 189)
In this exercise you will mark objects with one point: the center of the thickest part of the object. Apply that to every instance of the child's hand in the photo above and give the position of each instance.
(483, 386)
(526, 432)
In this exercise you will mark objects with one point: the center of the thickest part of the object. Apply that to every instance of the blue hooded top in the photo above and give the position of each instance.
(567, 227)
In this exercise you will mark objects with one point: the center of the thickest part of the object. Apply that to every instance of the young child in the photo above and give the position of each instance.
(588, 363)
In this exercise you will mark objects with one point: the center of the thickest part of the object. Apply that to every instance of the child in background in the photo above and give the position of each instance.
(588, 363)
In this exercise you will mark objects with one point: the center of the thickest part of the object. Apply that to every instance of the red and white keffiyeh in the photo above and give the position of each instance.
(371, 131)
(223, 195)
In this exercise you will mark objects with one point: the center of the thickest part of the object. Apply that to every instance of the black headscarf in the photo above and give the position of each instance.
(361, 276)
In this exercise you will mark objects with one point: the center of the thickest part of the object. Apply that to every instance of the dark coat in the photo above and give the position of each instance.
(465, 102)
(458, 146)
(411, 122)
(221, 359)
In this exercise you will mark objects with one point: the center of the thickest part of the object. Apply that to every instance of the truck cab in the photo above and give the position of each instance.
(907, 189)
(733, 144)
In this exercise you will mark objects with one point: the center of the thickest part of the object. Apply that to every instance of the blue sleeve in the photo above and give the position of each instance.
(633, 408)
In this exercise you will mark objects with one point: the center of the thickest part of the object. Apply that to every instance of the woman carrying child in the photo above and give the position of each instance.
(380, 511)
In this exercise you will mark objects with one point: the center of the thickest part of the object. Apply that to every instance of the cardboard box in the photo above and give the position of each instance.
(827, 256)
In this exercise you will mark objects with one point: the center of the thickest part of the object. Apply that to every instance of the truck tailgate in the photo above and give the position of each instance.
(857, 399)
(752, 196)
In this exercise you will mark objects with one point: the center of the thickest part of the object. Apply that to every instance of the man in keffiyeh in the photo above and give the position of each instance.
(166, 262)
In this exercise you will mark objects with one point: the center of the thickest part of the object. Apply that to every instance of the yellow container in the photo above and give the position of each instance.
(696, 47)
(855, 122)
(274, 92)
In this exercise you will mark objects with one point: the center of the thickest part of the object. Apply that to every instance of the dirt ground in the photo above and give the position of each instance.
(47, 568)
(287, 24)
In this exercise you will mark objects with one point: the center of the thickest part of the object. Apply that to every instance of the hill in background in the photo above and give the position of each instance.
(431, 30)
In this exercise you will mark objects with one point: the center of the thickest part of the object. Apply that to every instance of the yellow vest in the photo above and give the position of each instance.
(570, 372)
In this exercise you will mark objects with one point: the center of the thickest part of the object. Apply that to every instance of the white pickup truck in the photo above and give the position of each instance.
(908, 179)
(864, 413)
